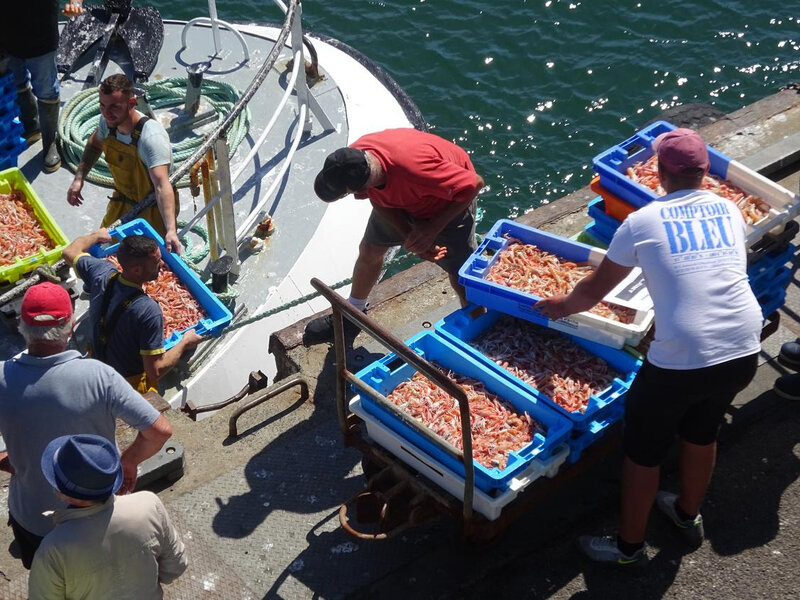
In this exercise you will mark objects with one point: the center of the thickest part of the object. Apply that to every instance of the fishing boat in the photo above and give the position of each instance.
(289, 98)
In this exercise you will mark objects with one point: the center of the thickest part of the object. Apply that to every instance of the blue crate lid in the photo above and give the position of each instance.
(387, 373)
(218, 314)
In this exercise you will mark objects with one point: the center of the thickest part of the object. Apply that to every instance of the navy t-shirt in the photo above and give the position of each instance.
(140, 328)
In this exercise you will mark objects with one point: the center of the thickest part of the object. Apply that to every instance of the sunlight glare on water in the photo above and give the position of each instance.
(535, 89)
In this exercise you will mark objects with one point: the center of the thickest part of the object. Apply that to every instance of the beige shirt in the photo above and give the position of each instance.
(123, 549)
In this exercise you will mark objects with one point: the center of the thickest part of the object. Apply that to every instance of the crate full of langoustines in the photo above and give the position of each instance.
(29, 235)
(185, 301)
(583, 380)
(516, 266)
(513, 432)
(630, 171)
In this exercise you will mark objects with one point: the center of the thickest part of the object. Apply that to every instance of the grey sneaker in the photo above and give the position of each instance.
(604, 550)
(691, 530)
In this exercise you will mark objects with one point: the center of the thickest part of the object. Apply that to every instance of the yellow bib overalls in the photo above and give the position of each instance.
(132, 181)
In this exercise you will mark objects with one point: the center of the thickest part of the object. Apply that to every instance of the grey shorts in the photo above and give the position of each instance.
(458, 237)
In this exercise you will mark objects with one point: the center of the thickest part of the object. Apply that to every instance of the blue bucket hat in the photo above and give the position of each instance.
(84, 466)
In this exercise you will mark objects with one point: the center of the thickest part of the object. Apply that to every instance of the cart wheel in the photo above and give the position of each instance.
(369, 467)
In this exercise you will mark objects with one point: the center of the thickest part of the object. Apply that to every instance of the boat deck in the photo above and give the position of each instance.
(306, 228)
(259, 512)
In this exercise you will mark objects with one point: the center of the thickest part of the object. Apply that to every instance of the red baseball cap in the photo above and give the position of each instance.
(46, 304)
(682, 152)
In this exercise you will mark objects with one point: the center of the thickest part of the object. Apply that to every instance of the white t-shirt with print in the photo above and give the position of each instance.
(691, 248)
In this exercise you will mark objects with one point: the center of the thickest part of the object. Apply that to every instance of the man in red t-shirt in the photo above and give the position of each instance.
(422, 189)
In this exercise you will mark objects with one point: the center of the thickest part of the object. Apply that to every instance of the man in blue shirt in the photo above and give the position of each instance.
(50, 391)
(127, 325)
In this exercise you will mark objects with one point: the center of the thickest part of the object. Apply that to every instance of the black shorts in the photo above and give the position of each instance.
(458, 237)
(663, 403)
(28, 542)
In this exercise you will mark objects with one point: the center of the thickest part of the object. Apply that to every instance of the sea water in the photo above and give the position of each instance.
(534, 89)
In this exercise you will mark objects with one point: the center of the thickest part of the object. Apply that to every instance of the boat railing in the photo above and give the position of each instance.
(307, 105)
(215, 22)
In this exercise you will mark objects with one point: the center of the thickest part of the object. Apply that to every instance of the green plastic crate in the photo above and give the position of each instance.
(13, 179)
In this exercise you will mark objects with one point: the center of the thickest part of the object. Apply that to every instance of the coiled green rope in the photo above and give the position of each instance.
(81, 116)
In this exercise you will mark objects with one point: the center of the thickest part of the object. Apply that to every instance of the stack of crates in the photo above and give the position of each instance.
(769, 251)
(11, 141)
(604, 408)
(768, 267)
(566, 435)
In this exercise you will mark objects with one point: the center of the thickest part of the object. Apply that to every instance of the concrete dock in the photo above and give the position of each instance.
(259, 512)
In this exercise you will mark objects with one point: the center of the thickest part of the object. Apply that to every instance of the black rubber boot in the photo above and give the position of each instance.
(320, 330)
(29, 115)
(48, 120)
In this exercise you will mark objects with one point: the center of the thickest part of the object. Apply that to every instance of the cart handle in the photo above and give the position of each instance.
(342, 308)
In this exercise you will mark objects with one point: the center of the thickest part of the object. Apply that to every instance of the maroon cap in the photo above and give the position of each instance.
(46, 304)
(682, 152)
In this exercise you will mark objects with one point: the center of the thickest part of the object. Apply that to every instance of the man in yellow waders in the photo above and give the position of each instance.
(139, 155)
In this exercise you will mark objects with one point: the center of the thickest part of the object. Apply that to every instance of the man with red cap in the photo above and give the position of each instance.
(690, 245)
(50, 391)
(422, 189)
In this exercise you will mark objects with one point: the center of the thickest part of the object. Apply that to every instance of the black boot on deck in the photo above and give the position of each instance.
(29, 115)
(48, 121)
(320, 330)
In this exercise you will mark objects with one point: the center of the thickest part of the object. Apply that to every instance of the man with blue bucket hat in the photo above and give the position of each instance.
(103, 546)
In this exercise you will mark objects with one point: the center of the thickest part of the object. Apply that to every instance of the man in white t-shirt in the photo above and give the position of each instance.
(138, 153)
(690, 245)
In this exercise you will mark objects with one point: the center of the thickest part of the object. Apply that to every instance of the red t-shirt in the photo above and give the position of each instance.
(423, 171)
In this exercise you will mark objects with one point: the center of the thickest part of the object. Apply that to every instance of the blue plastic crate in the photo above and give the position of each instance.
(604, 223)
(10, 149)
(218, 315)
(596, 231)
(387, 373)
(7, 83)
(771, 301)
(520, 304)
(773, 298)
(8, 105)
(763, 272)
(10, 162)
(581, 440)
(465, 325)
(613, 164)
(11, 128)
